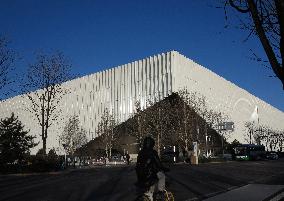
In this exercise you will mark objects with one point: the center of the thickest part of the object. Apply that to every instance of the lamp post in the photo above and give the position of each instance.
(225, 126)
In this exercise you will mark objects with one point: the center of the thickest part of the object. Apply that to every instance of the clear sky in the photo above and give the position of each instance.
(96, 35)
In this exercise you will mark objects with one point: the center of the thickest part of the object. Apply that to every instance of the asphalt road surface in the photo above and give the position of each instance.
(117, 183)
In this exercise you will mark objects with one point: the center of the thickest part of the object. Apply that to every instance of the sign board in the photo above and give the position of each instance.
(194, 157)
(195, 149)
(226, 126)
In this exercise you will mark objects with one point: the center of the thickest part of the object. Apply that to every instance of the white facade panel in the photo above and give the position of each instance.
(154, 78)
(222, 95)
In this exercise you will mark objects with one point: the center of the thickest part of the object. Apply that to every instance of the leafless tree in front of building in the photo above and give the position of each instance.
(44, 90)
(73, 136)
(106, 131)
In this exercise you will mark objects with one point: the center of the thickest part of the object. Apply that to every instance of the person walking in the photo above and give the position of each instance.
(149, 169)
(127, 157)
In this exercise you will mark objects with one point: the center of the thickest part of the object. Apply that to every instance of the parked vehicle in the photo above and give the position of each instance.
(249, 152)
(169, 154)
(116, 160)
(99, 161)
(272, 156)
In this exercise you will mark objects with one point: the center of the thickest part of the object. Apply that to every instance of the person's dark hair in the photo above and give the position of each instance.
(148, 143)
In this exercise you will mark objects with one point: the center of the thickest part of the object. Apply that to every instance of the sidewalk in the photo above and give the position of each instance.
(252, 192)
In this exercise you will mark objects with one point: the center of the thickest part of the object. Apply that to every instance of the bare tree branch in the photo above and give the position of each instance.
(265, 19)
(238, 8)
(44, 89)
(7, 58)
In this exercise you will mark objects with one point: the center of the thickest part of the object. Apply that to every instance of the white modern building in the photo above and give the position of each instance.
(117, 89)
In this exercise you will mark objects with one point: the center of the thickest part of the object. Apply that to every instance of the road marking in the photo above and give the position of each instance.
(278, 197)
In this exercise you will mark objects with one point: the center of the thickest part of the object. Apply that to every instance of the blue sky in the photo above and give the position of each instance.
(96, 35)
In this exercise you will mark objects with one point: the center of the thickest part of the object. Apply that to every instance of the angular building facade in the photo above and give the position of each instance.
(153, 78)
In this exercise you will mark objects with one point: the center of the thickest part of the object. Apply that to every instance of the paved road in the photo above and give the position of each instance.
(117, 183)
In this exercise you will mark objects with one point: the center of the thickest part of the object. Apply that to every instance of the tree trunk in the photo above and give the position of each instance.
(206, 147)
(276, 67)
(106, 151)
(139, 131)
(43, 126)
(44, 145)
(185, 127)
(111, 141)
(159, 134)
(46, 120)
(159, 145)
(110, 151)
(186, 146)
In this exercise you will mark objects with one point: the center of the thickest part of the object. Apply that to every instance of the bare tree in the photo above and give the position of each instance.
(43, 87)
(172, 121)
(193, 106)
(7, 57)
(256, 133)
(265, 135)
(271, 138)
(265, 19)
(198, 119)
(188, 123)
(153, 121)
(106, 131)
(139, 123)
(73, 136)
(281, 140)
(159, 120)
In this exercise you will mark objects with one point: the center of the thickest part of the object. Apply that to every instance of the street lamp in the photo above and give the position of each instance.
(225, 126)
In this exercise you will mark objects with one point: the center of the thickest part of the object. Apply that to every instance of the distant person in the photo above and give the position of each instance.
(127, 157)
(106, 160)
(149, 169)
